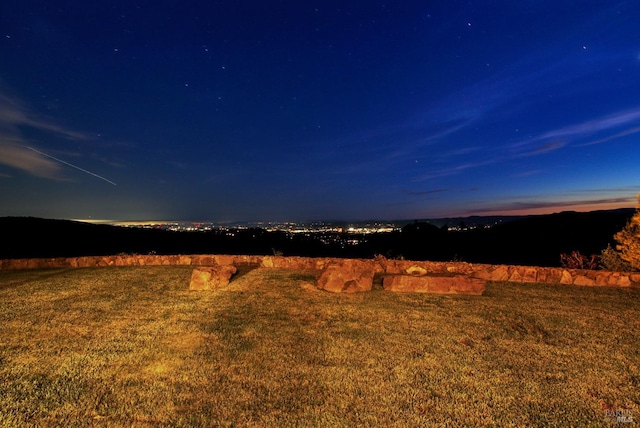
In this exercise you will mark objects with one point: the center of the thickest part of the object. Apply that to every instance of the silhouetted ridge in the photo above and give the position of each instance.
(36, 237)
(539, 240)
(535, 240)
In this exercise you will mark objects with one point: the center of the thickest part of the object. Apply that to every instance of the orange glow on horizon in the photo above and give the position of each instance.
(579, 207)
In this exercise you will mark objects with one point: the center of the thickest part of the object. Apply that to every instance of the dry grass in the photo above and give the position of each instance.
(134, 347)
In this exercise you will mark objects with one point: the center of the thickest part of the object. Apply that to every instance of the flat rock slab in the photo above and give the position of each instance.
(348, 276)
(444, 284)
(210, 278)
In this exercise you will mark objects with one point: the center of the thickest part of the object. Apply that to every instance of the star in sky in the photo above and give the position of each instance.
(234, 111)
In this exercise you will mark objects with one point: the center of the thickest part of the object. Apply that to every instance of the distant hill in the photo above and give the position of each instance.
(531, 240)
(539, 240)
(474, 220)
(36, 237)
(31, 237)
(534, 240)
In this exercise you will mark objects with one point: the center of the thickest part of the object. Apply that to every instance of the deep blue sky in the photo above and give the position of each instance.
(300, 110)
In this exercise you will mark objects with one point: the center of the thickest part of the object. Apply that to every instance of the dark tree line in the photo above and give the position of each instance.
(535, 240)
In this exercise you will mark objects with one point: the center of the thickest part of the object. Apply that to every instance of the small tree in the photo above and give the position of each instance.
(610, 260)
(575, 260)
(629, 240)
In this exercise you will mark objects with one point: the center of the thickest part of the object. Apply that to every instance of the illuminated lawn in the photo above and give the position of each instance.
(133, 347)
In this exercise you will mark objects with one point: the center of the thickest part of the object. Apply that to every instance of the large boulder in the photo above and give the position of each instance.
(416, 270)
(442, 284)
(210, 278)
(347, 276)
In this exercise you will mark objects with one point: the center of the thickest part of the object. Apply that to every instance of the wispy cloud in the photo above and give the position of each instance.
(591, 127)
(507, 91)
(442, 136)
(426, 192)
(14, 113)
(542, 205)
(547, 147)
(16, 151)
(16, 155)
(454, 170)
(559, 138)
(616, 125)
(609, 190)
(495, 100)
(615, 136)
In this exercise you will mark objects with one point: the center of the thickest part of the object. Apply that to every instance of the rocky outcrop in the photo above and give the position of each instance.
(347, 276)
(437, 284)
(210, 278)
(296, 263)
(416, 270)
(522, 274)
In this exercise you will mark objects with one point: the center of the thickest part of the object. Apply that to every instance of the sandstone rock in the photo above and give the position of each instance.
(491, 273)
(347, 276)
(602, 279)
(461, 268)
(444, 284)
(583, 280)
(140, 260)
(102, 261)
(517, 274)
(530, 274)
(500, 273)
(88, 261)
(549, 275)
(378, 265)
(210, 278)
(293, 263)
(320, 264)
(619, 280)
(184, 260)
(383, 262)
(482, 274)
(566, 277)
(267, 262)
(416, 271)
(394, 266)
(305, 263)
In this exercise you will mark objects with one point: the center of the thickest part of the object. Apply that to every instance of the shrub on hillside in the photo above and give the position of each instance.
(575, 260)
(629, 240)
(610, 260)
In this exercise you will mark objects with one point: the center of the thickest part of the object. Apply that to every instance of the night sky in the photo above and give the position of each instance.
(317, 110)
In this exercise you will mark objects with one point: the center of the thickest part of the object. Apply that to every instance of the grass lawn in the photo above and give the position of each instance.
(132, 346)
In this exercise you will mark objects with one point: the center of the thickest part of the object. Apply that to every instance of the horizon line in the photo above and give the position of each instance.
(488, 213)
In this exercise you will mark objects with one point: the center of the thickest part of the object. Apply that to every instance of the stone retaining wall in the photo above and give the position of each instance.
(525, 274)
